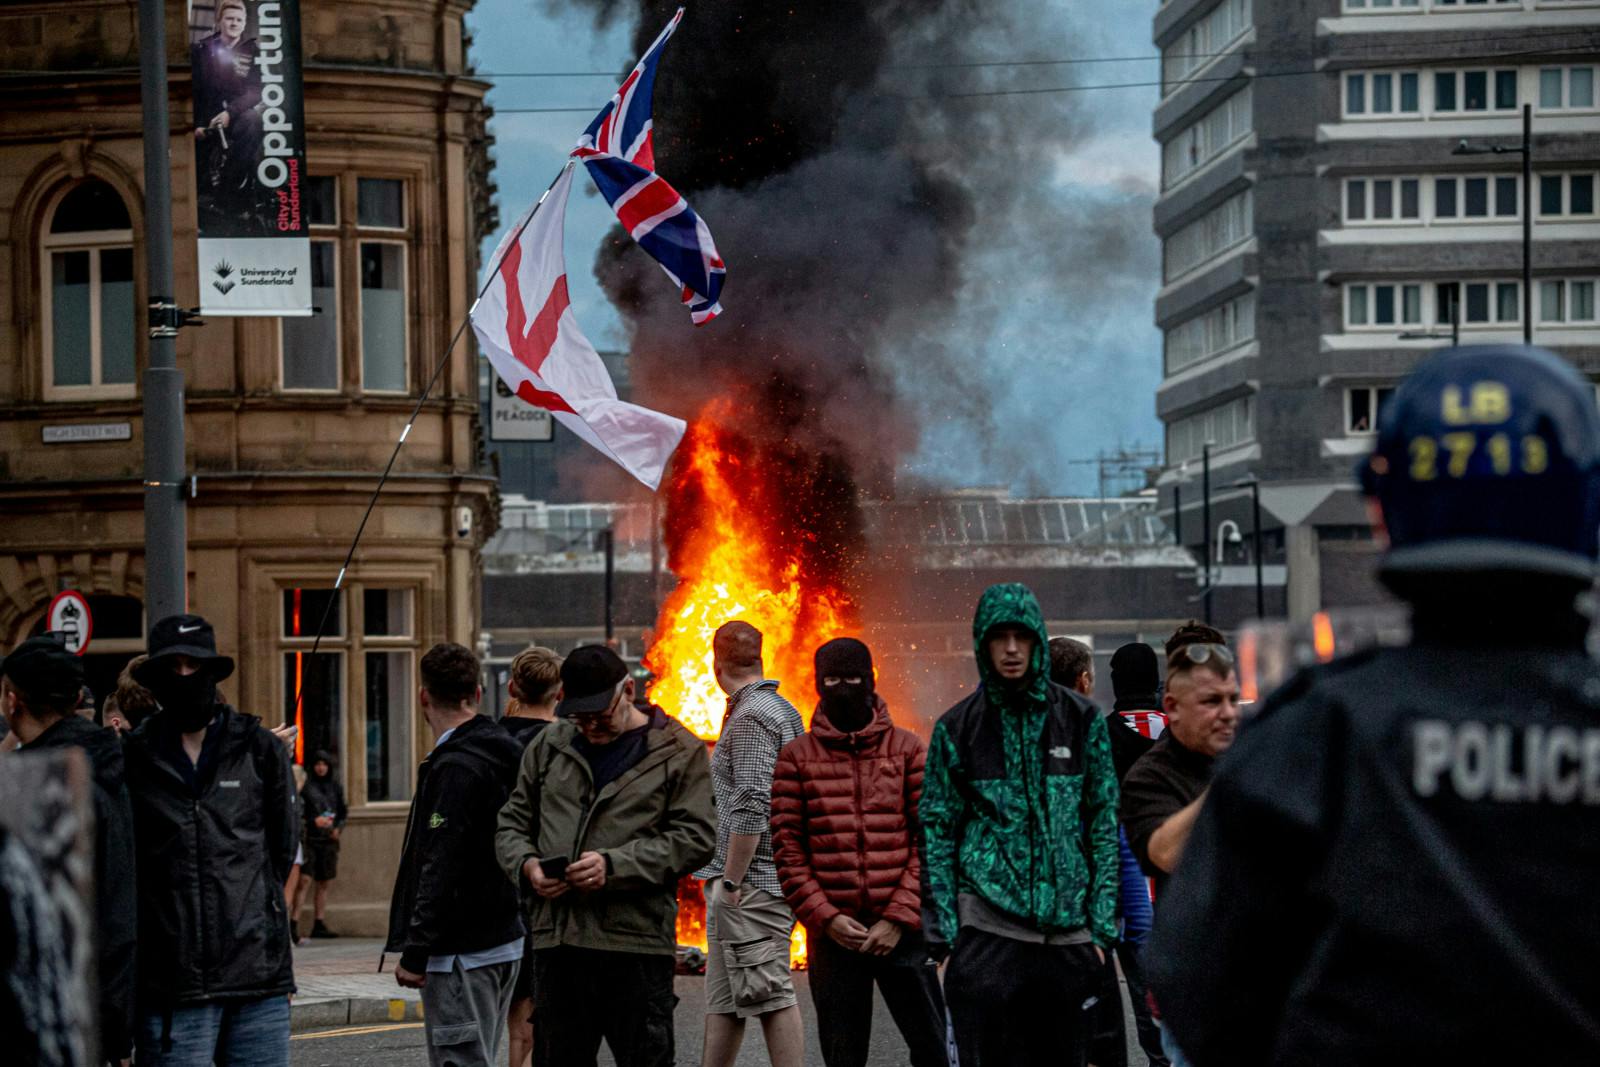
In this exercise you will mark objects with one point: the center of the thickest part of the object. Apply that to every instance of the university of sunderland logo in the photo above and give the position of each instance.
(224, 271)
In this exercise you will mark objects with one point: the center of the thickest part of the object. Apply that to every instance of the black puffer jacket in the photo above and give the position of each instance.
(450, 895)
(212, 859)
(115, 915)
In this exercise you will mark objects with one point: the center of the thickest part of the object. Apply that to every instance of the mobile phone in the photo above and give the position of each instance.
(554, 867)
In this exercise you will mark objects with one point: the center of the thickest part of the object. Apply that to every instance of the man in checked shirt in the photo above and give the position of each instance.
(747, 922)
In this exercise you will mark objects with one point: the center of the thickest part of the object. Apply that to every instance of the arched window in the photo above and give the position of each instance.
(90, 312)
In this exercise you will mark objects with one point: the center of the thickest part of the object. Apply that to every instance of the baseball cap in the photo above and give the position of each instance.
(589, 680)
(183, 635)
(42, 667)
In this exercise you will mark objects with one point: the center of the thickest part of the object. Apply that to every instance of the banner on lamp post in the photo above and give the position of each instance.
(250, 157)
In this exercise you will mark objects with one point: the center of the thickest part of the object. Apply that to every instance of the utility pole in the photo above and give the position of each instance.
(165, 514)
(1527, 224)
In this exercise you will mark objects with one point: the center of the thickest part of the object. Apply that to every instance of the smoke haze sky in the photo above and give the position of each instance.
(1052, 317)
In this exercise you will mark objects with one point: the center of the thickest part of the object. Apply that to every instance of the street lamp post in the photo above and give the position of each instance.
(1467, 148)
(1205, 520)
(1254, 484)
(608, 546)
(165, 515)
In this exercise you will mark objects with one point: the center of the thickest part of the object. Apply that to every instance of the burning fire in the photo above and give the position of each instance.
(742, 543)
(737, 554)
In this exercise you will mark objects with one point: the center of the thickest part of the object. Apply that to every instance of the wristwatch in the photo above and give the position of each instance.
(729, 885)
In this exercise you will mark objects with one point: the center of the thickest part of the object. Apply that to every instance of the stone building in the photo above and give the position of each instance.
(289, 421)
(1321, 233)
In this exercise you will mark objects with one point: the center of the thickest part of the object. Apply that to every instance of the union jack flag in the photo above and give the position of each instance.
(618, 150)
(622, 128)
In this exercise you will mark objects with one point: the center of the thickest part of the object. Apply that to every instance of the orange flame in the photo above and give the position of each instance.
(737, 554)
(731, 564)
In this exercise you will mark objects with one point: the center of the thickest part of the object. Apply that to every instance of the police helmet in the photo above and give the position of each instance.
(1488, 458)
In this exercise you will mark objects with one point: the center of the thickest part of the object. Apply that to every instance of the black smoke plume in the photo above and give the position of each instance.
(850, 183)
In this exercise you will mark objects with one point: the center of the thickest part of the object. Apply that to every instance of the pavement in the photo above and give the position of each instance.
(340, 984)
(348, 1013)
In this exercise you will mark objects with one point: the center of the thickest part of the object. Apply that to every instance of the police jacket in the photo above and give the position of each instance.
(449, 894)
(214, 841)
(115, 914)
(1396, 863)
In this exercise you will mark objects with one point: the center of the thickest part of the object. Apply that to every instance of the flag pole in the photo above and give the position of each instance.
(427, 390)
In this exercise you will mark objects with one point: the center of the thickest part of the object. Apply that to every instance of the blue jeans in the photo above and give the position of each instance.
(229, 1033)
(1168, 1045)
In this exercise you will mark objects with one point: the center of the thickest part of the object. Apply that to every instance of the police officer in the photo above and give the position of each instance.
(1396, 862)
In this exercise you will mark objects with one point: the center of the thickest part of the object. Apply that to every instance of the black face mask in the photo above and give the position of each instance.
(848, 706)
(191, 699)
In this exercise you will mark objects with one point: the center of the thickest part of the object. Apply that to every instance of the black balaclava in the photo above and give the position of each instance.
(1135, 678)
(849, 706)
(191, 699)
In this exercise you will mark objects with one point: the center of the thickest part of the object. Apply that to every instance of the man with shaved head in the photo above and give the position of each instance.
(1164, 791)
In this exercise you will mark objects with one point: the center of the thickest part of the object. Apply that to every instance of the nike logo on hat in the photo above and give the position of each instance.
(188, 629)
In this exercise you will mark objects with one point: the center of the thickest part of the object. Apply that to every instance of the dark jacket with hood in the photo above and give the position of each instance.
(322, 795)
(1019, 802)
(212, 858)
(116, 916)
(449, 894)
(844, 821)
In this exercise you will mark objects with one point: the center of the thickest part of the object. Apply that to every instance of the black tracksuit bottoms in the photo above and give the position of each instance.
(1019, 1004)
(841, 990)
(583, 995)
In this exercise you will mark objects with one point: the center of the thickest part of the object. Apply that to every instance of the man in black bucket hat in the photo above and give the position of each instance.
(214, 816)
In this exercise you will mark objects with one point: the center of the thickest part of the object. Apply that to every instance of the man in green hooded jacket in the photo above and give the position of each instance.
(1019, 812)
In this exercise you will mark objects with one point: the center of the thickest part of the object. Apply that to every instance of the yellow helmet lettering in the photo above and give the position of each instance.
(1488, 404)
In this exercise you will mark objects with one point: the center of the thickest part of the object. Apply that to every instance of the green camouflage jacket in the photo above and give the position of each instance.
(1019, 802)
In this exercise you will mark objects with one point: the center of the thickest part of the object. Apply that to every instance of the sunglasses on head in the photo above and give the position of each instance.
(1201, 653)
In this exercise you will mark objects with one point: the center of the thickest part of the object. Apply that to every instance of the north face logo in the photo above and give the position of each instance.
(1061, 752)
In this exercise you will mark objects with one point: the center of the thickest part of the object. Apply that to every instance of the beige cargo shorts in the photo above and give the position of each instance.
(747, 962)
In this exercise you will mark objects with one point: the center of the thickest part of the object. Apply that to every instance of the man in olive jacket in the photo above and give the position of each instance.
(612, 806)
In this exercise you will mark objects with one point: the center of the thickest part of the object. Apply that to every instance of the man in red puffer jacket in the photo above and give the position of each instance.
(844, 834)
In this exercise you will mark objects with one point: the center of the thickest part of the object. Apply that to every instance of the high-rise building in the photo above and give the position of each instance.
(1341, 191)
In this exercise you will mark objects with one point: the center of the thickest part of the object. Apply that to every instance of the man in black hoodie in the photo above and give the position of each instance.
(325, 813)
(214, 818)
(455, 918)
(39, 686)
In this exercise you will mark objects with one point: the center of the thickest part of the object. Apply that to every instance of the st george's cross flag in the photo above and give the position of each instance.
(525, 325)
(619, 152)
